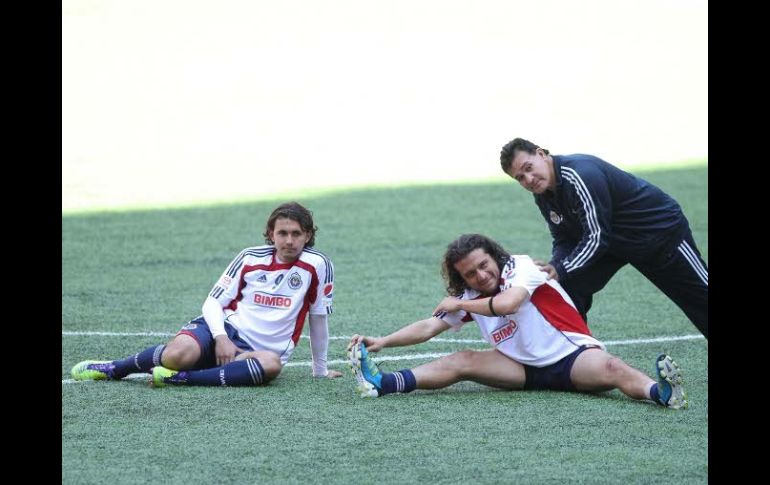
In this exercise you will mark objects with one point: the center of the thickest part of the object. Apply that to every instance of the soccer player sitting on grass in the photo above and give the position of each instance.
(252, 319)
(540, 340)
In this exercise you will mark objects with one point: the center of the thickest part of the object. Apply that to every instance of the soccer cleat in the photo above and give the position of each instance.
(160, 376)
(367, 373)
(670, 382)
(93, 370)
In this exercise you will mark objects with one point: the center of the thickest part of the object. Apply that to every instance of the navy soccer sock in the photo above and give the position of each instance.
(655, 395)
(144, 361)
(247, 372)
(400, 381)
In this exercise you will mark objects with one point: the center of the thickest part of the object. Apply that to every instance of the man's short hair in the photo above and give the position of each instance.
(296, 212)
(512, 147)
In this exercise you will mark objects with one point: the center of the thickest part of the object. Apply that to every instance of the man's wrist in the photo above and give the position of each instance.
(558, 268)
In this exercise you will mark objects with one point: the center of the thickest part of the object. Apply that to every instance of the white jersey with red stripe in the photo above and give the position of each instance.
(546, 327)
(268, 302)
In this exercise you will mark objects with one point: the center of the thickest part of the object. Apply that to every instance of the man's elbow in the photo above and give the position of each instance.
(508, 309)
(511, 302)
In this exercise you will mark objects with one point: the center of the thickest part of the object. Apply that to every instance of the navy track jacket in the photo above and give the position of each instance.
(598, 209)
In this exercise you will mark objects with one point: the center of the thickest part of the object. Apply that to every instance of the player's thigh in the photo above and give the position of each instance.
(594, 279)
(492, 368)
(595, 370)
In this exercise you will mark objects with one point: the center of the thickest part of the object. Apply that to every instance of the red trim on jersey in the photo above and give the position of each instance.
(557, 311)
(313, 280)
(273, 266)
(310, 296)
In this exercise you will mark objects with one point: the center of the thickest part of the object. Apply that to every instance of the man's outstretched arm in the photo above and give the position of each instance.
(412, 334)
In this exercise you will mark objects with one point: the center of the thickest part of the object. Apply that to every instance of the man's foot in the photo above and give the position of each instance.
(367, 373)
(162, 376)
(93, 370)
(670, 382)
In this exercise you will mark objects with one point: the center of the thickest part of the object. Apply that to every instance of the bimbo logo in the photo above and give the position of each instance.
(503, 333)
(272, 301)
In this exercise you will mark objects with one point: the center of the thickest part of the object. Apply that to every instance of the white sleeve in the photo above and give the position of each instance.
(455, 319)
(459, 318)
(319, 342)
(224, 291)
(524, 274)
(215, 316)
(226, 288)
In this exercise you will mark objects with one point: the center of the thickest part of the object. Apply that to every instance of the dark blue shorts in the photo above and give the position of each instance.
(554, 377)
(199, 330)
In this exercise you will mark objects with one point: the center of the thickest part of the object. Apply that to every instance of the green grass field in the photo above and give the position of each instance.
(144, 272)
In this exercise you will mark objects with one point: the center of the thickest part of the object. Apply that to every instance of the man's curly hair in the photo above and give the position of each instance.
(460, 248)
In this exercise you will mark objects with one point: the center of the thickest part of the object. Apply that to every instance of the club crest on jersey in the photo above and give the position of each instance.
(504, 332)
(272, 301)
(555, 218)
(295, 281)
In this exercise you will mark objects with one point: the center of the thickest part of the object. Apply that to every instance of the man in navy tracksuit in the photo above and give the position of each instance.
(601, 218)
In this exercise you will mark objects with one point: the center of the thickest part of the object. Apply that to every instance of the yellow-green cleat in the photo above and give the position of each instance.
(93, 370)
(160, 374)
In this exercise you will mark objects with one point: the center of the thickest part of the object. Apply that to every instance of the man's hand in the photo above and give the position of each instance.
(449, 304)
(333, 373)
(547, 268)
(225, 349)
(373, 344)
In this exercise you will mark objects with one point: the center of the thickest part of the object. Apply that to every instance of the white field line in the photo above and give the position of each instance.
(347, 337)
(383, 358)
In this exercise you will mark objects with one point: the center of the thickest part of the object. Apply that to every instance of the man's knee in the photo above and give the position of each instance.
(615, 370)
(270, 363)
(463, 362)
(181, 353)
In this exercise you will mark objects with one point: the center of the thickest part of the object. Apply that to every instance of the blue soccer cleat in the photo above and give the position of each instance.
(367, 373)
(93, 370)
(670, 382)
